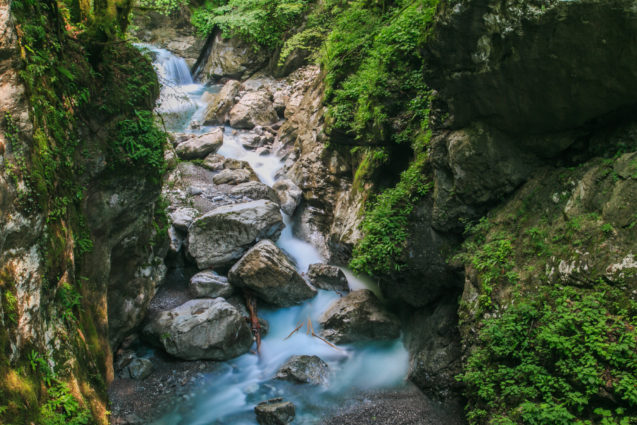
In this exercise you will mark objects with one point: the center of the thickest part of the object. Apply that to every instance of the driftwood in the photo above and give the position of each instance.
(310, 331)
(255, 326)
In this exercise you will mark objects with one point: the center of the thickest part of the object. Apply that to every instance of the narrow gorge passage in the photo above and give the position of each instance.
(229, 394)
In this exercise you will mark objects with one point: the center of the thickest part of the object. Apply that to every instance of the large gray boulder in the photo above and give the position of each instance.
(289, 195)
(200, 146)
(327, 277)
(221, 103)
(254, 108)
(209, 284)
(268, 272)
(232, 58)
(209, 329)
(274, 412)
(359, 316)
(222, 235)
(234, 177)
(303, 370)
(255, 190)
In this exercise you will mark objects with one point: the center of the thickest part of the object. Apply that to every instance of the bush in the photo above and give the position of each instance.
(565, 356)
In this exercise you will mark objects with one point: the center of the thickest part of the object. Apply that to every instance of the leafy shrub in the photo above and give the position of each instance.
(262, 23)
(140, 143)
(385, 226)
(565, 356)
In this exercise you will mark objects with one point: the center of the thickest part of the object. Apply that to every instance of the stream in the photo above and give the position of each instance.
(228, 395)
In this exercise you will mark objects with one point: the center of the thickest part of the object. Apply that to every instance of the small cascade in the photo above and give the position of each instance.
(228, 395)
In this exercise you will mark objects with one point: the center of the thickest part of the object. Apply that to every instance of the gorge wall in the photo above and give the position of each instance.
(507, 210)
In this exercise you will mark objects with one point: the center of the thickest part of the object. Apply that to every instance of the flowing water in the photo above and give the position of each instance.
(228, 395)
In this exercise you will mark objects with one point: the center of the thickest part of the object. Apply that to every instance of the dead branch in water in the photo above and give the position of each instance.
(255, 326)
(310, 331)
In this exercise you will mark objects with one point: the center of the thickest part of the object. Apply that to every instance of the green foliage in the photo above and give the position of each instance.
(62, 408)
(70, 299)
(262, 23)
(140, 143)
(385, 226)
(375, 85)
(565, 356)
(165, 7)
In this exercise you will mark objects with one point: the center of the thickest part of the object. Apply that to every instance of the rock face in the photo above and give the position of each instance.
(201, 146)
(327, 277)
(488, 59)
(304, 370)
(289, 195)
(220, 105)
(202, 329)
(208, 284)
(275, 412)
(225, 233)
(254, 108)
(268, 272)
(231, 58)
(359, 316)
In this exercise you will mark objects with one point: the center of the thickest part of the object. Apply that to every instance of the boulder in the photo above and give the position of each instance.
(289, 195)
(327, 277)
(274, 412)
(219, 107)
(210, 329)
(232, 58)
(255, 190)
(359, 316)
(254, 108)
(268, 272)
(208, 284)
(139, 368)
(234, 177)
(304, 370)
(182, 218)
(222, 235)
(200, 146)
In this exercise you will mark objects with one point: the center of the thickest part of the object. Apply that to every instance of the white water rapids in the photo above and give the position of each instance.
(229, 394)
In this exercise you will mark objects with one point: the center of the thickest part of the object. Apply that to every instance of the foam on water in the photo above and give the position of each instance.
(229, 394)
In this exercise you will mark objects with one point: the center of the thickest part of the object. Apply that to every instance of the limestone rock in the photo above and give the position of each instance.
(232, 58)
(225, 233)
(267, 271)
(202, 329)
(327, 277)
(234, 177)
(182, 218)
(221, 104)
(210, 285)
(274, 412)
(201, 146)
(289, 195)
(254, 108)
(359, 316)
(255, 190)
(304, 370)
(139, 368)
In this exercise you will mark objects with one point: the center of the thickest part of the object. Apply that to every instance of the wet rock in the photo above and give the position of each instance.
(221, 236)
(139, 368)
(210, 285)
(201, 146)
(234, 177)
(232, 58)
(255, 190)
(275, 412)
(254, 108)
(289, 195)
(359, 316)
(327, 277)
(221, 103)
(304, 370)
(182, 218)
(202, 329)
(268, 272)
